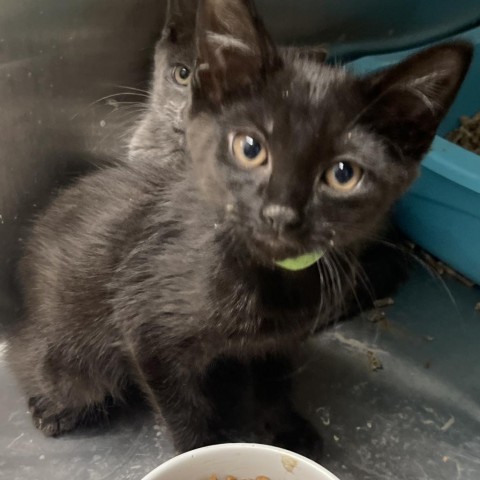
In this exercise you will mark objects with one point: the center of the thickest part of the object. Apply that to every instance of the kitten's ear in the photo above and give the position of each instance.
(407, 102)
(180, 21)
(234, 51)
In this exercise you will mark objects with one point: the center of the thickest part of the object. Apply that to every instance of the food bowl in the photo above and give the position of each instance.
(241, 460)
(441, 212)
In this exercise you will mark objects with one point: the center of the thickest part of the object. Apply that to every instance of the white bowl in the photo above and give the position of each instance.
(242, 460)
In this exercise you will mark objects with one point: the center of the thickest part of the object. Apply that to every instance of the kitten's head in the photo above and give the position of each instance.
(161, 131)
(174, 59)
(296, 156)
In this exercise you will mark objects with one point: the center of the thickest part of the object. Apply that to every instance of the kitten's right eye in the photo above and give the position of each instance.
(181, 74)
(343, 176)
(249, 152)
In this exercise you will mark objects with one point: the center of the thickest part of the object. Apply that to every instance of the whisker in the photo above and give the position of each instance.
(320, 297)
(107, 97)
(430, 270)
(128, 110)
(407, 252)
(141, 90)
(435, 275)
(121, 104)
(351, 281)
(334, 299)
(339, 294)
(362, 277)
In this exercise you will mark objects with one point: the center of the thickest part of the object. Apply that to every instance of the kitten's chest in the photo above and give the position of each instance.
(266, 309)
(186, 287)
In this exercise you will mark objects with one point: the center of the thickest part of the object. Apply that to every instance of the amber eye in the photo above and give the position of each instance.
(181, 75)
(343, 176)
(249, 152)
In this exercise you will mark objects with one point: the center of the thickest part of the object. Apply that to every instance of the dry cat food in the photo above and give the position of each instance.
(468, 134)
(230, 477)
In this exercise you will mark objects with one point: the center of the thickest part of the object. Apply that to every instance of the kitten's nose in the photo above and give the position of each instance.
(280, 217)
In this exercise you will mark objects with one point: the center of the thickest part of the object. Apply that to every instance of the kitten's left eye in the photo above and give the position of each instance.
(249, 152)
(181, 74)
(343, 176)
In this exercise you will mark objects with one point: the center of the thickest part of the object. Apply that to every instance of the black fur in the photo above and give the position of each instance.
(157, 272)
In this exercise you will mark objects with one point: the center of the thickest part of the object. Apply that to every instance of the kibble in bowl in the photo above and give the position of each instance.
(240, 461)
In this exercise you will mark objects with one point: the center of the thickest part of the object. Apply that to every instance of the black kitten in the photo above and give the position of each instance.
(150, 273)
(160, 132)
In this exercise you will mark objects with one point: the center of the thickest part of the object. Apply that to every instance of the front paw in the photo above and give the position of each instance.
(49, 419)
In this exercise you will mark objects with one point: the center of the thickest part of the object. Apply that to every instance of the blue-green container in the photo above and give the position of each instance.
(441, 212)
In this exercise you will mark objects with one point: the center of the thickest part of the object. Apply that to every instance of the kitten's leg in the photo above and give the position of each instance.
(181, 397)
(283, 425)
(59, 395)
(52, 419)
(55, 415)
(175, 388)
(229, 383)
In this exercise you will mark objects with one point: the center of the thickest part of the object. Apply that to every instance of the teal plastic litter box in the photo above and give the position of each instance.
(441, 212)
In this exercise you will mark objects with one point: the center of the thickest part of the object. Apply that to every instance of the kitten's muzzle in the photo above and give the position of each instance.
(280, 217)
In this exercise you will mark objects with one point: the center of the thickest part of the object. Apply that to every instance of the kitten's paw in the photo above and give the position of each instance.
(50, 420)
(299, 435)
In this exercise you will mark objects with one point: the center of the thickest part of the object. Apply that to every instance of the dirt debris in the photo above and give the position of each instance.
(467, 135)
(373, 362)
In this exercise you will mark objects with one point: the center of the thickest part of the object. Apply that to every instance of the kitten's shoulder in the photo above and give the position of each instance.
(96, 214)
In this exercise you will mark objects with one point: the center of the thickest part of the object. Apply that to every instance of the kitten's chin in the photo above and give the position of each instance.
(269, 251)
